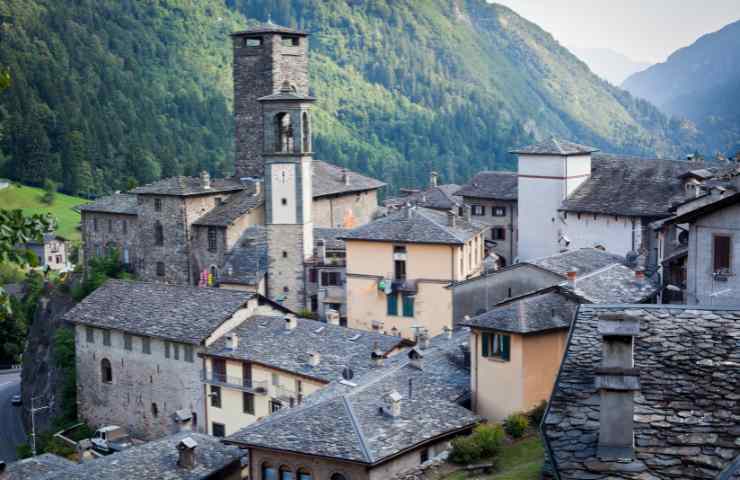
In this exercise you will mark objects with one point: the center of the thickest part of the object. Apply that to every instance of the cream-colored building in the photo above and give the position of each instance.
(399, 267)
(271, 362)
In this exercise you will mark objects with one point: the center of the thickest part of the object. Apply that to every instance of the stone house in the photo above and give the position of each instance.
(272, 362)
(326, 273)
(647, 392)
(111, 222)
(395, 416)
(138, 351)
(492, 198)
(398, 268)
(435, 196)
(52, 252)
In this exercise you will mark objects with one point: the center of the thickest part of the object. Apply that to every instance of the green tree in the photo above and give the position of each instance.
(50, 191)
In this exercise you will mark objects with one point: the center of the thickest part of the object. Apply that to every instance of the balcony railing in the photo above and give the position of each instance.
(283, 394)
(258, 387)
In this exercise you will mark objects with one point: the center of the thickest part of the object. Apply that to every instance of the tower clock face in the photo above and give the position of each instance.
(282, 174)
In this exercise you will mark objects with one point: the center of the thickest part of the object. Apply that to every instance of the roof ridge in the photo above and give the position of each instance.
(445, 228)
(557, 145)
(358, 431)
(598, 271)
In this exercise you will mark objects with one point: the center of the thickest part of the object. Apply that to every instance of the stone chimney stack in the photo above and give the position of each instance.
(345, 176)
(232, 341)
(572, 275)
(617, 380)
(186, 453)
(377, 357)
(393, 401)
(314, 358)
(447, 331)
(640, 276)
(332, 317)
(321, 250)
(416, 358)
(467, 212)
(422, 338)
(205, 180)
(451, 219)
(290, 323)
(257, 188)
(433, 179)
(408, 211)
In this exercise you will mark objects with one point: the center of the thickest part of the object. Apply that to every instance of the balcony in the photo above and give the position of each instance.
(252, 386)
(284, 394)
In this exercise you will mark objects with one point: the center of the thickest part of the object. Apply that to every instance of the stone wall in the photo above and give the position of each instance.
(117, 230)
(285, 265)
(345, 211)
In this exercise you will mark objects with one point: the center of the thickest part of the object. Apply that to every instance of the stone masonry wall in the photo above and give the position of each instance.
(345, 211)
(285, 265)
(112, 230)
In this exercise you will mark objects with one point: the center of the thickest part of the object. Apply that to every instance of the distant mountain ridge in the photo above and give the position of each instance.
(610, 65)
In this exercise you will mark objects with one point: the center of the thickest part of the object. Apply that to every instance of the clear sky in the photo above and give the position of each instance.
(644, 30)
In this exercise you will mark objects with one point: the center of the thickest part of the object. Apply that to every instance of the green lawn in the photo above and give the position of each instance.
(519, 461)
(28, 199)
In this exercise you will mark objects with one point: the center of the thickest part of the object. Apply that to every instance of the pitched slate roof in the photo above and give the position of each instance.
(327, 180)
(187, 186)
(180, 313)
(584, 260)
(492, 185)
(687, 412)
(629, 186)
(554, 146)
(269, 27)
(246, 262)
(441, 197)
(707, 209)
(537, 312)
(35, 467)
(157, 460)
(123, 203)
(419, 225)
(331, 237)
(231, 209)
(615, 283)
(265, 340)
(343, 421)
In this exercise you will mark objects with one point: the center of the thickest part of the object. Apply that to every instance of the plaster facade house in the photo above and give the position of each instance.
(569, 198)
(138, 348)
(52, 252)
(326, 272)
(398, 268)
(492, 198)
(647, 392)
(269, 363)
(390, 419)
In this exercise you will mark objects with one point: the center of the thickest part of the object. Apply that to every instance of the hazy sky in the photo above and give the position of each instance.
(648, 30)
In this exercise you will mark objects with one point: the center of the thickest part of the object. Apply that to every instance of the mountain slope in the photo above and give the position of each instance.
(608, 64)
(700, 82)
(107, 93)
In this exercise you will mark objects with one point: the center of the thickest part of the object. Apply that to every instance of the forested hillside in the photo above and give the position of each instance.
(109, 93)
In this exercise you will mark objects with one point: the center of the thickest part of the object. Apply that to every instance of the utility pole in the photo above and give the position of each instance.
(33, 425)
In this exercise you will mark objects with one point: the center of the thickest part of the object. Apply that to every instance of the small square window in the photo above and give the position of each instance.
(284, 201)
(291, 41)
(90, 334)
(106, 338)
(252, 42)
(166, 349)
(158, 204)
(275, 379)
(215, 396)
(176, 350)
(160, 269)
(188, 353)
(498, 211)
(248, 403)
(478, 210)
(146, 345)
(275, 406)
(285, 254)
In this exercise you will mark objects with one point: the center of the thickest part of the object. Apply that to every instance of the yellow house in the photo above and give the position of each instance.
(515, 351)
(398, 267)
(272, 362)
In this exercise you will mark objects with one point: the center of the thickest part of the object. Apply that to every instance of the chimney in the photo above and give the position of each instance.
(314, 358)
(433, 178)
(332, 317)
(205, 180)
(451, 219)
(467, 211)
(447, 332)
(232, 341)
(257, 188)
(416, 358)
(186, 451)
(321, 250)
(572, 275)
(422, 338)
(290, 323)
(393, 402)
(640, 276)
(377, 356)
(345, 176)
(408, 211)
(617, 380)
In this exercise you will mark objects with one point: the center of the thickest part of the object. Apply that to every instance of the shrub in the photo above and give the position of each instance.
(535, 415)
(489, 438)
(465, 450)
(50, 190)
(515, 424)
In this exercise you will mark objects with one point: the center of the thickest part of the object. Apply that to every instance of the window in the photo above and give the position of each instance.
(252, 42)
(399, 269)
(110, 225)
(314, 303)
(127, 341)
(291, 41)
(106, 371)
(299, 389)
(247, 374)
(219, 369)
(408, 306)
(176, 350)
(106, 338)
(125, 226)
(283, 133)
(146, 345)
(330, 278)
(498, 233)
(275, 379)
(286, 473)
(188, 353)
(248, 403)
(313, 275)
(158, 204)
(90, 334)
(212, 239)
(160, 269)
(59, 259)
(424, 456)
(285, 254)
(477, 210)
(304, 474)
(392, 304)
(498, 211)
(722, 253)
(283, 201)
(215, 396)
(219, 430)
(155, 410)
(158, 233)
(95, 224)
(275, 405)
(306, 133)
(269, 472)
(495, 345)
(166, 349)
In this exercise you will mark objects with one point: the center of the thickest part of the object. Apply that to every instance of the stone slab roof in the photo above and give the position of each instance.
(122, 203)
(416, 225)
(538, 312)
(615, 283)
(35, 467)
(188, 186)
(231, 209)
(328, 180)
(554, 146)
(179, 313)
(157, 460)
(492, 185)
(584, 260)
(266, 340)
(687, 412)
(331, 237)
(246, 262)
(269, 27)
(629, 186)
(441, 197)
(344, 421)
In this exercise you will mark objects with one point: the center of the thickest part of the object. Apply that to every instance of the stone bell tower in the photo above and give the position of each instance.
(288, 161)
(264, 58)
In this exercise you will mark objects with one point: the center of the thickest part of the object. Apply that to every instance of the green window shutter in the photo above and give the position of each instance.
(485, 341)
(392, 304)
(505, 346)
(408, 306)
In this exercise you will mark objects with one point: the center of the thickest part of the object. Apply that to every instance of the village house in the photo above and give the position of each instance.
(138, 347)
(51, 253)
(400, 413)
(270, 362)
(398, 268)
(109, 223)
(647, 392)
(435, 196)
(326, 271)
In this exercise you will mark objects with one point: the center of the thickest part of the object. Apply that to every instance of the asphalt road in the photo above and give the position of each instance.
(11, 427)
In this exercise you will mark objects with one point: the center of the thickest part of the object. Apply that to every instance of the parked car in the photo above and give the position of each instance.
(16, 400)
(110, 439)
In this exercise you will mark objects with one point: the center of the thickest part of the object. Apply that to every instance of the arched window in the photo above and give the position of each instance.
(286, 473)
(338, 476)
(306, 133)
(269, 472)
(304, 474)
(106, 371)
(158, 233)
(283, 133)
